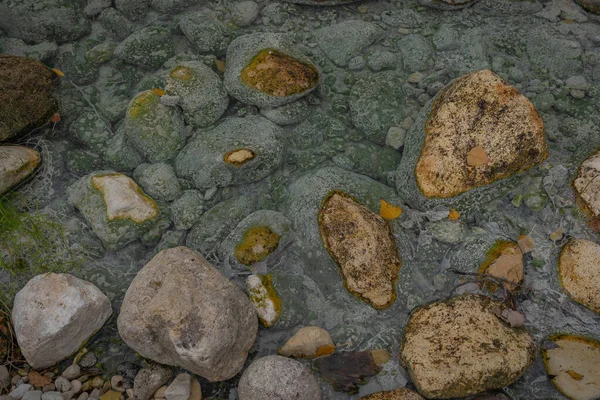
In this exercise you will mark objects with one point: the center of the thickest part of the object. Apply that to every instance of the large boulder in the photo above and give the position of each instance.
(16, 164)
(579, 272)
(475, 132)
(26, 95)
(268, 70)
(179, 310)
(460, 346)
(206, 32)
(148, 48)
(50, 20)
(277, 377)
(587, 189)
(54, 314)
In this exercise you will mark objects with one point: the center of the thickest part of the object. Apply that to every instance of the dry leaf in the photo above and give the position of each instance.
(389, 211)
(477, 157)
(526, 243)
(575, 375)
(453, 215)
(159, 92)
(220, 64)
(58, 72)
(38, 380)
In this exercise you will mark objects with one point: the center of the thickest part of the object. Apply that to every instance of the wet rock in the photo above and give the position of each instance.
(91, 130)
(592, 6)
(16, 164)
(308, 342)
(504, 261)
(54, 314)
(183, 291)
(171, 6)
(116, 23)
(148, 48)
(342, 41)
(153, 129)
(579, 272)
(274, 14)
(133, 9)
(187, 209)
(244, 13)
(53, 21)
(587, 189)
(560, 57)
(376, 102)
(459, 347)
(287, 114)
(158, 180)
(26, 95)
(417, 53)
(120, 154)
(114, 206)
(572, 363)
(279, 378)
(17, 47)
(202, 95)
(368, 159)
(180, 388)
(381, 60)
(446, 37)
(239, 150)
(206, 33)
(398, 394)
(361, 243)
(148, 380)
(347, 370)
(264, 298)
(267, 70)
(94, 7)
(72, 61)
(435, 170)
(447, 4)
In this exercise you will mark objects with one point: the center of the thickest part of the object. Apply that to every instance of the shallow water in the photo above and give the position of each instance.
(534, 45)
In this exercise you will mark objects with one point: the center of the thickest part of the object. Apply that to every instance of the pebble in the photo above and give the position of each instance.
(15, 379)
(395, 137)
(88, 360)
(95, 394)
(4, 377)
(49, 388)
(72, 372)
(97, 382)
(577, 94)
(62, 384)
(19, 391)
(577, 82)
(180, 388)
(76, 386)
(160, 393)
(32, 395)
(196, 390)
(52, 396)
(415, 77)
(83, 396)
(116, 383)
(68, 395)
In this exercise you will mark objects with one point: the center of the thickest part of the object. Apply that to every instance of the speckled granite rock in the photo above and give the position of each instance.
(398, 394)
(579, 272)
(587, 189)
(342, 41)
(148, 48)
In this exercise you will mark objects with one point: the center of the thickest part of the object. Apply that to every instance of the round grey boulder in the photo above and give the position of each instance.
(278, 378)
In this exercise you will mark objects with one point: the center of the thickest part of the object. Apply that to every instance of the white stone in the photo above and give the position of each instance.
(124, 199)
(395, 137)
(308, 342)
(263, 301)
(180, 388)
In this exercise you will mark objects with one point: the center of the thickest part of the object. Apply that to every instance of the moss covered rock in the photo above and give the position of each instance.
(268, 70)
(149, 47)
(459, 347)
(158, 180)
(16, 164)
(26, 95)
(579, 272)
(475, 132)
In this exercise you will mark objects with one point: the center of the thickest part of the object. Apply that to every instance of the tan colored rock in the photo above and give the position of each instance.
(459, 347)
(587, 189)
(124, 199)
(308, 342)
(16, 164)
(398, 394)
(478, 115)
(579, 272)
(504, 261)
(196, 392)
(361, 243)
(572, 362)
(239, 157)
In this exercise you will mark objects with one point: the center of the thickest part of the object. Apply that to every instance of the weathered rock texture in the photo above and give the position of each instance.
(592, 6)
(16, 164)
(587, 189)
(179, 310)
(579, 271)
(398, 394)
(447, 4)
(361, 243)
(54, 314)
(26, 95)
(459, 347)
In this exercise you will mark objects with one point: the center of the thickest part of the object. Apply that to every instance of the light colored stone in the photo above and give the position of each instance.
(264, 298)
(52, 396)
(308, 342)
(459, 347)
(20, 391)
(395, 137)
(73, 371)
(179, 310)
(361, 243)
(149, 380)
(276, 377)
(116, 383)
(124, 199)
(160, 393)
(16, 164)
(196, 391)
(180, 388)
(587, 188)
(505, 261)
(62, 384)
(579, 271)
(398, 394)
(54, 314)
(32, 395)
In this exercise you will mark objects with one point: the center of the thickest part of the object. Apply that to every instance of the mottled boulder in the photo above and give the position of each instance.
(268, 70)
(572, 363)
(114, 206)
(361, 243)
(587, 189)
(52, 20)
(158, 180)
(592, 6)
(287, 114)
(342, 41)
(459, 347)
(149, 47)
(276, 377)
(16, 164)
(26, 95)
(447, 4)
(475, 132)
(179, 310)
(154, 129)
(417, 53)
(133, 9)
(579, 272)
(206, 32)
(54, 314)
(398, 394)
(202, 95)
(172, 6)
(238, 150)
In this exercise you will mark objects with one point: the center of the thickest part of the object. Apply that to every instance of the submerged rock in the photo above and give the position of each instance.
(459, 347)
(276, 377)
(264, 298)
(398, 394)
(203, 96)
(16, 164)
(158, 180)
(476, 131)
(592, 6)
(322, 2)
(26, 95)
(267, 70)
(361, 243)
(148, 48)
(347, 370)
(342, 41)
(587, 189)
(308, 342)
(572, 363)
(114, 206)
(238, 150)
(447, 4)
(54, 314)
(179, 310)
(579, 272)
(287, 114)
(206, 32)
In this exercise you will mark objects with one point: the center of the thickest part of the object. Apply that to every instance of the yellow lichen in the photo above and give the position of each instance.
(239, 156)
(182, 73)
(258, 243)
(265, 299)
(143, 104)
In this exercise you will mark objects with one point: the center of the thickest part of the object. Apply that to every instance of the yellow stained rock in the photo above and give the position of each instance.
(264, 298)
(124, 199)
(258, 243)
(505, 261)
(579, 272)
(239, 157)
(361, 243)
(398, 394)
(480, 129)
(307, 343)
